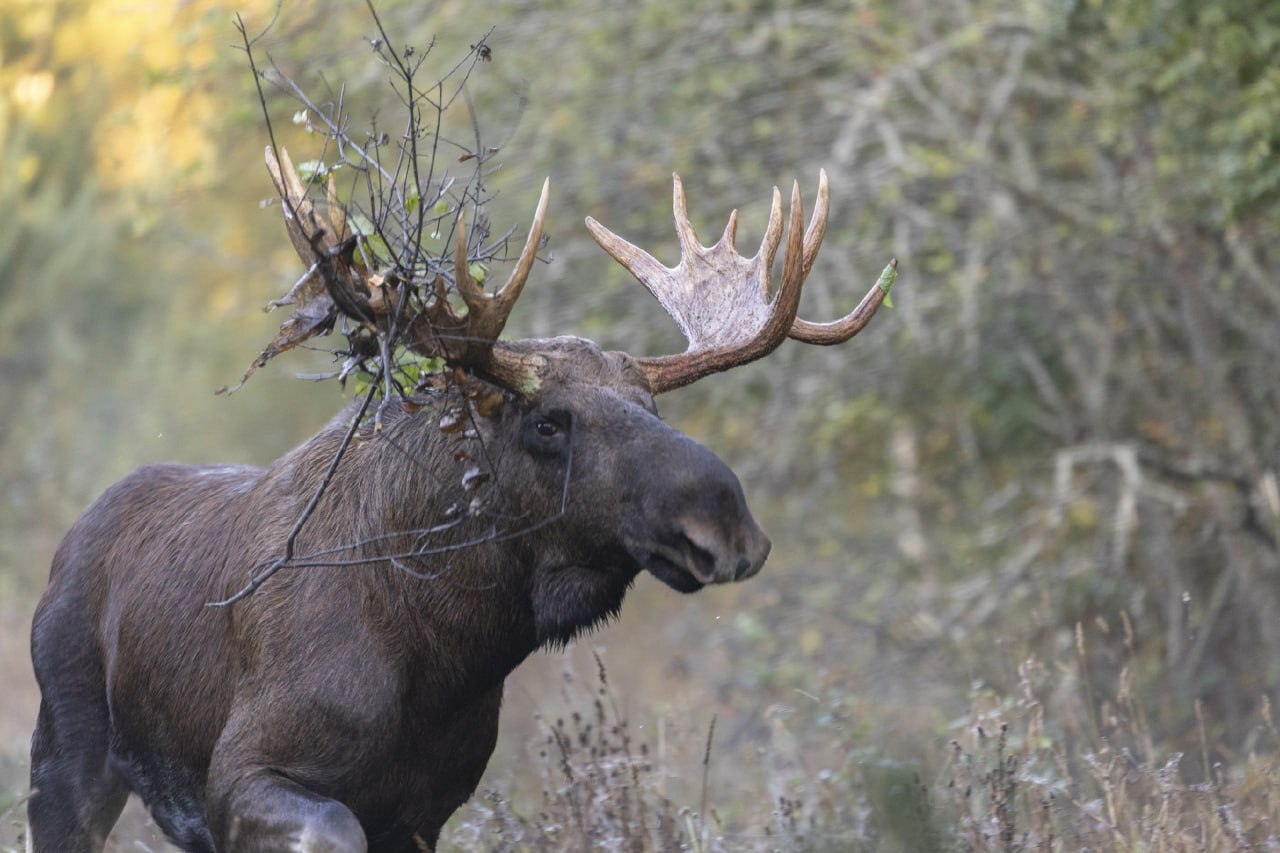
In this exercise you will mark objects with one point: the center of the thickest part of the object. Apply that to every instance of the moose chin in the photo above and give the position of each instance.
(345, 695)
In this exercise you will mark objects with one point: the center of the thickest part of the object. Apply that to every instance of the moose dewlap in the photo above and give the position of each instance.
(345, 696)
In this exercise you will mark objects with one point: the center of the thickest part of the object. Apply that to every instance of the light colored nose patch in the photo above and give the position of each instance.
(741, 556)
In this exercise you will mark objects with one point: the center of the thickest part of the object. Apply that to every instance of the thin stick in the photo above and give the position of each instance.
(258, 580)
(706, 772)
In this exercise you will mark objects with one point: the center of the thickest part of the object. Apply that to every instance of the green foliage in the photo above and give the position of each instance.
(55, 250)
(1205, 77)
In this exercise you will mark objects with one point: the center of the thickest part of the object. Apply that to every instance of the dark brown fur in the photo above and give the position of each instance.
(353, 699)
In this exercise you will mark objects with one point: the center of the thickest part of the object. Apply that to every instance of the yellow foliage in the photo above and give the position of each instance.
(110, 37)
(160, 133)
(226, 298)
(32, 89)
(31, 19)
(28, 168)
(146, 64)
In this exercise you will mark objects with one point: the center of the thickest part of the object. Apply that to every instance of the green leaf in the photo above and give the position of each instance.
(360, 224)
(887, 277)
(312, 169)
(375, 250)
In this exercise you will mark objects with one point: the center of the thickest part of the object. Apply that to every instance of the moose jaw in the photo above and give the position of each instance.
(346, 696)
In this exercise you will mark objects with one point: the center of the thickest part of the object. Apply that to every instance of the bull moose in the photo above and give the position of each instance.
(345, 696)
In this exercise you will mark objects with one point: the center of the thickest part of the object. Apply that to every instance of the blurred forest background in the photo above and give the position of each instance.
(1025, 586)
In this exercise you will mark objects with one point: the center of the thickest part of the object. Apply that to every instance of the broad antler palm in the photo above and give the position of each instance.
(722, 301)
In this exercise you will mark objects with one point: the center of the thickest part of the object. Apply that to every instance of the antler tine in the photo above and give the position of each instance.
(771, 240)
(787, 302)
(730, 229)
(839, 331)
(644, 267)
(302, 221)
(684, 228)
(489, 312)
(334, 281)
(817, 224)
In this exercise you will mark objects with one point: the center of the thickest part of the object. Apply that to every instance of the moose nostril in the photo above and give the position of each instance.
(743, 568)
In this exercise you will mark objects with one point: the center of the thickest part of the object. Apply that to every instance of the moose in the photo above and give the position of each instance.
(345, 695)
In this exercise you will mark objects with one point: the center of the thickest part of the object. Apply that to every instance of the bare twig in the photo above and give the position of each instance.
(258, 580)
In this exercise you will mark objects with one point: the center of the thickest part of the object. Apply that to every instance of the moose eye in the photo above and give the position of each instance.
(545, 433)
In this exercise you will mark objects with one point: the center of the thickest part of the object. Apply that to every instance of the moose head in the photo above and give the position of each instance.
(378, 583)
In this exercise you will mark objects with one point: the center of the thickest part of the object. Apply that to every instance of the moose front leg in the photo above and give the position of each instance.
(265, 811)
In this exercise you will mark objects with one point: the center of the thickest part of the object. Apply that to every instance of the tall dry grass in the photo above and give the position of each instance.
(1056, 763)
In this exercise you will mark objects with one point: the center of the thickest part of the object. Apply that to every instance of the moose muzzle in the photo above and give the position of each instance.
(695, 528)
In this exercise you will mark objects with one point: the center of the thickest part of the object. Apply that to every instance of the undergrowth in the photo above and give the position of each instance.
(1018, 781)
(1050, 765)
(1053, 763)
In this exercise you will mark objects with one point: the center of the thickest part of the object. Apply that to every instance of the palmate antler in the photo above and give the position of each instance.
(336, 282)
(721, 300)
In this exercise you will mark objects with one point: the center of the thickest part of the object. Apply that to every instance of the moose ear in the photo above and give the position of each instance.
(489, 405)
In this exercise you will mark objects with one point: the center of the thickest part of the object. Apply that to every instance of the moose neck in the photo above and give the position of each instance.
(445, 570)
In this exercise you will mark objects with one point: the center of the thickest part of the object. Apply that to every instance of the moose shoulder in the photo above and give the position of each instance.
(350, 700)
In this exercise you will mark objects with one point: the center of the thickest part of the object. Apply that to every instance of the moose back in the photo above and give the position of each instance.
(380, 581)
